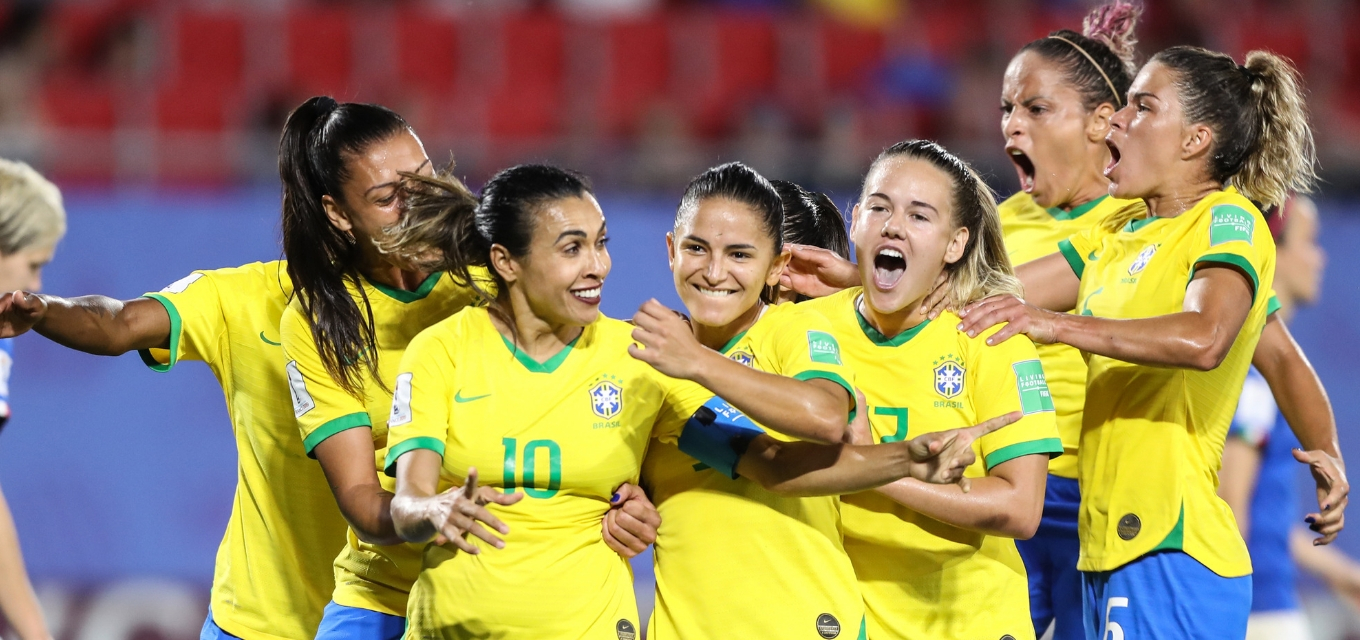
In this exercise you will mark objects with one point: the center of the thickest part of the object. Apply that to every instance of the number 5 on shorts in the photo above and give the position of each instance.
(1112, 629)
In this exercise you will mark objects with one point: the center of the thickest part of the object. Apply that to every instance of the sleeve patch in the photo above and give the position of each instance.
(823, 348)
(1230, 223)
(297, 388)
(401, 401)
(1034, 395)
(180, 285)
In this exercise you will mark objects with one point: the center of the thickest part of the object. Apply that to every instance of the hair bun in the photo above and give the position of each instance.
(1113, 25)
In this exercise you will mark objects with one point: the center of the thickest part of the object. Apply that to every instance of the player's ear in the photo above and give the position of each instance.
(777, 267)
(504, 263)
(1198, 138)
(670, 250)
(1098, 124)
(957, 244)
(336, 215)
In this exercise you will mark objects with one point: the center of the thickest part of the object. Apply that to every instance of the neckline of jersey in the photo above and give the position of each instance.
(547, 366)
(1077, 211)
(737, 338)
(875, 336)
(1135, 225)
(408, 296)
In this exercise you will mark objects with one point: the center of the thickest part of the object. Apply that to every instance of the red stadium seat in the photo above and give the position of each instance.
(210, 46)
(1282, 32)
(320, 50)
(72, 101)
(427, 51)
(637, 71)
(193, 104)
(527, 101)
(849, 54)
(951, 28)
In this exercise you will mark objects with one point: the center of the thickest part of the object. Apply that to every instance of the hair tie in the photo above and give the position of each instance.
(1118, 99)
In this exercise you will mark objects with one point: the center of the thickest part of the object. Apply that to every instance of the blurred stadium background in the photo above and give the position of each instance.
(160, 121)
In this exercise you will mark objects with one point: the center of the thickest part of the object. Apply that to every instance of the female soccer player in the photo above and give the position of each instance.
(274, 570)
(934, 561)
(1171, 305)
(721, 535)
(563, 403)
(1057, 98)
(32, 221)
(343, 335)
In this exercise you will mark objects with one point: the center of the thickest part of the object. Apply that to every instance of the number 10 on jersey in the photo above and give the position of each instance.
(530, 457)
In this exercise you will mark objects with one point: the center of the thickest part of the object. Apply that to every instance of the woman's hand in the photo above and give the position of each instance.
(668, 343)
(19, 311)
(1333, 491)
(456, 512)
(816, 272)
(1034, 322)
(938, 298)
(941, 457)
(860, 431)
(631, 522)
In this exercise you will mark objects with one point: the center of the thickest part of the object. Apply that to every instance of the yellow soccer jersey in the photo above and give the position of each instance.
(720, 536)
(922, 578)
(567, 432)
(367, 576)
(1033, 232)
(273, 573)
(1152, 437)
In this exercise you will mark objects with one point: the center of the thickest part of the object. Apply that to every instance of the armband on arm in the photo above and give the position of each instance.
(718, 435)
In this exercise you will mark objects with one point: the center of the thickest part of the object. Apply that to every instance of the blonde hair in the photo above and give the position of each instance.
(31, 212)
(1262, 144)
(984, 269)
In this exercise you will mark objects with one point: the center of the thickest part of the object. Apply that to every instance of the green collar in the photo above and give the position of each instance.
(884, 341)
(733, 342)
(1135, 225)
(534, 366)
(1076, 212)
(409, 296)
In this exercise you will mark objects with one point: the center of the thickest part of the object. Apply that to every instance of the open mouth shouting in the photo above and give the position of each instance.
(889, 266)
(1114, 157)
(588, 296)
(1024, 168)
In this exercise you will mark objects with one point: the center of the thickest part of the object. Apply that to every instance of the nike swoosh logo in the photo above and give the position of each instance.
(458, 397)
(1091, 257)
(268, 341)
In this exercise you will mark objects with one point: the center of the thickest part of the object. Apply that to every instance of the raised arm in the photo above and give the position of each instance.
(94, 324)
(1299, 393)
(1199, 337)
(815, 409)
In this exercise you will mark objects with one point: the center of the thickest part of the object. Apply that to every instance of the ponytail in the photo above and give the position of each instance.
(318, 141)
(1262, 143)
(1285, 159)
(1098, 62)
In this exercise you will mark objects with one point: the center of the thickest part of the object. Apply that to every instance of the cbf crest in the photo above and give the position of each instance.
(606, 397)
(742, 356)
(949, 374)
(1141, 261)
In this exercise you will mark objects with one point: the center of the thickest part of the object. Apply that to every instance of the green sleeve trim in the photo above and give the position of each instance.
(175, 325)
(1052, 446)
(1073, 257)
(1273, 305)
(1234, 260)
(332, 427)
(836, 378)
(406, 446)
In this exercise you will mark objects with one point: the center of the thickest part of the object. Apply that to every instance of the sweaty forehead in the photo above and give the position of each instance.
(553, 218)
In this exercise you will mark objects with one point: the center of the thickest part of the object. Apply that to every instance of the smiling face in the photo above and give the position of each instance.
(370, 196)
(562, 274)
(722, 257)
(1151, 145)
(1057, 146)
(904, 232)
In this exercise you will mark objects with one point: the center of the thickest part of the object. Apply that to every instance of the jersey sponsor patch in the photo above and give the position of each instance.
(1230, 223)
(401, 401)
(1033, 387)
(823, 348)
(297, 388)
(606, 398)
(949, 373)
(828, 626)
(180, 285)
